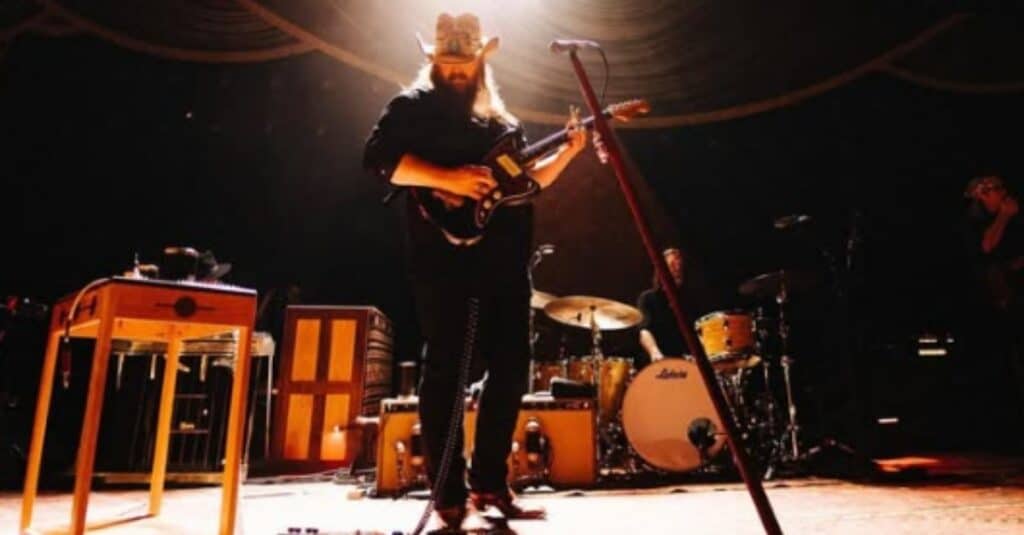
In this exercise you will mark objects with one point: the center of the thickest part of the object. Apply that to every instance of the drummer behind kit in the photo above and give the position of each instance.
(661, 418)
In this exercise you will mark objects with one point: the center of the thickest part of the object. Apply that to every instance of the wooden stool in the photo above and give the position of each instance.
(158, 311)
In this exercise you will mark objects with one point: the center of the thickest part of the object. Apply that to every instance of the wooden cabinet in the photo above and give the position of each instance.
(335, 366)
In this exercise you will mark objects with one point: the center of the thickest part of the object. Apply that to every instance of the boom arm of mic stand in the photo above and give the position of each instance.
(739, 453)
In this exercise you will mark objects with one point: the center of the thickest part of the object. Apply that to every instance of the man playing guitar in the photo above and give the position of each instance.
(433, 135)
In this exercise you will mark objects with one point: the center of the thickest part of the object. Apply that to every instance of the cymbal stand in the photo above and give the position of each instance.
(538, 255)
(769, 395)
(791, 428)
(595, 336)
(609, 431)
(767, 430)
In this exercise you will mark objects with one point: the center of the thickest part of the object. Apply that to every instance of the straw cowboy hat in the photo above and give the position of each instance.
(458, 40)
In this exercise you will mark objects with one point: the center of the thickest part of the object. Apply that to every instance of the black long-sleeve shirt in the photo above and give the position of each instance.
(422, 123)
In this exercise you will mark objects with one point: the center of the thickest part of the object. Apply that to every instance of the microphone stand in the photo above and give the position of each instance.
(534, 261)
(739, 452)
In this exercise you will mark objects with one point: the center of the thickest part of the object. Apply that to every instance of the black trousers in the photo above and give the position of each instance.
(501, 347)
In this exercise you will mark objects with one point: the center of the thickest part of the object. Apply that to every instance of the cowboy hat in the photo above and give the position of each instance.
(457, 40)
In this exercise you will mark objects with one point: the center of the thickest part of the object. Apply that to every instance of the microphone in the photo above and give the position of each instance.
(791, 221)
(561, 46)
(542, 250)
(701, 433)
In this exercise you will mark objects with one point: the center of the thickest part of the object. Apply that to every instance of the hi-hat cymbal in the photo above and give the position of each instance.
(578, 310)
(771, 284)
(539, 299)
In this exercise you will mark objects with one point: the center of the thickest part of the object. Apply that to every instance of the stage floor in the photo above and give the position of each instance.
(958, 495)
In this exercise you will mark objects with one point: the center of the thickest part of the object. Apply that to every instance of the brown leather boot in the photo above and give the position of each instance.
(506, 503)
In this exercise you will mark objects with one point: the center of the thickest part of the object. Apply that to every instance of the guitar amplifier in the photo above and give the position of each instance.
(335, 367)
(554, 443)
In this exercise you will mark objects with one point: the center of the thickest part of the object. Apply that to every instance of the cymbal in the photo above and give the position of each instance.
(539, 299)
(577, 311)
(770, 284)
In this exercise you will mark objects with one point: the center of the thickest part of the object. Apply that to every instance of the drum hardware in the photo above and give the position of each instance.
(778, 285)
(842, 268)
(538, 299)
(785, 447)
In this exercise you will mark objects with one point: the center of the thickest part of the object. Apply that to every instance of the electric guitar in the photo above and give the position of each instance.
(463, 220)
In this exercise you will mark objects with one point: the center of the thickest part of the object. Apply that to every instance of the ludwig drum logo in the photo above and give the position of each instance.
(668, 373)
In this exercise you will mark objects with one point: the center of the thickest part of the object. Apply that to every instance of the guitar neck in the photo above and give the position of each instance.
(538, 149)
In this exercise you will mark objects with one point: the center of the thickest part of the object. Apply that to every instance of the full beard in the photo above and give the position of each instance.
(460, 99)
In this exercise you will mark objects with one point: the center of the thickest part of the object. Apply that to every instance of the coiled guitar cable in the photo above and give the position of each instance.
(458, 409)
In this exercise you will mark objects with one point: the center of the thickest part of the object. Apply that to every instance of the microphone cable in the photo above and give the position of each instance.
(458, 410)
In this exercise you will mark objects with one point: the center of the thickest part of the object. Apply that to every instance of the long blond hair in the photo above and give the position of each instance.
(488, 103)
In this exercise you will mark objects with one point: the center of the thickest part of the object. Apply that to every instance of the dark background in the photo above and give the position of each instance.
(107, 152)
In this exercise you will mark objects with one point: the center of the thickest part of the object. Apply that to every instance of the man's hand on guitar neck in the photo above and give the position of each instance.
(577, 135)
(546, 171)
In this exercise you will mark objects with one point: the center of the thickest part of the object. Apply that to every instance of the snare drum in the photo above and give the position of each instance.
(728, 339)
(666, 410)
(541, 373)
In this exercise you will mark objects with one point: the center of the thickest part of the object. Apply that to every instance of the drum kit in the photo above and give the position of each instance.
(660, 419)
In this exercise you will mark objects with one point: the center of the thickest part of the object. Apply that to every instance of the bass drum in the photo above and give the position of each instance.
(666, 411)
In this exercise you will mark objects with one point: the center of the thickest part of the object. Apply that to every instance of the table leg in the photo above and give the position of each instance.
(236, 422)
(91, 425)
(35, 452)
(163, 425)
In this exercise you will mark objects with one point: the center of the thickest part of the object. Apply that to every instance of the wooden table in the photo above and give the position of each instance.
(159, 311)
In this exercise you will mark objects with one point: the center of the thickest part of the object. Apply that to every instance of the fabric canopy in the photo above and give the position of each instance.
(697, 61)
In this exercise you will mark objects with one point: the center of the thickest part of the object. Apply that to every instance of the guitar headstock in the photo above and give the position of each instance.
(626, 110)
